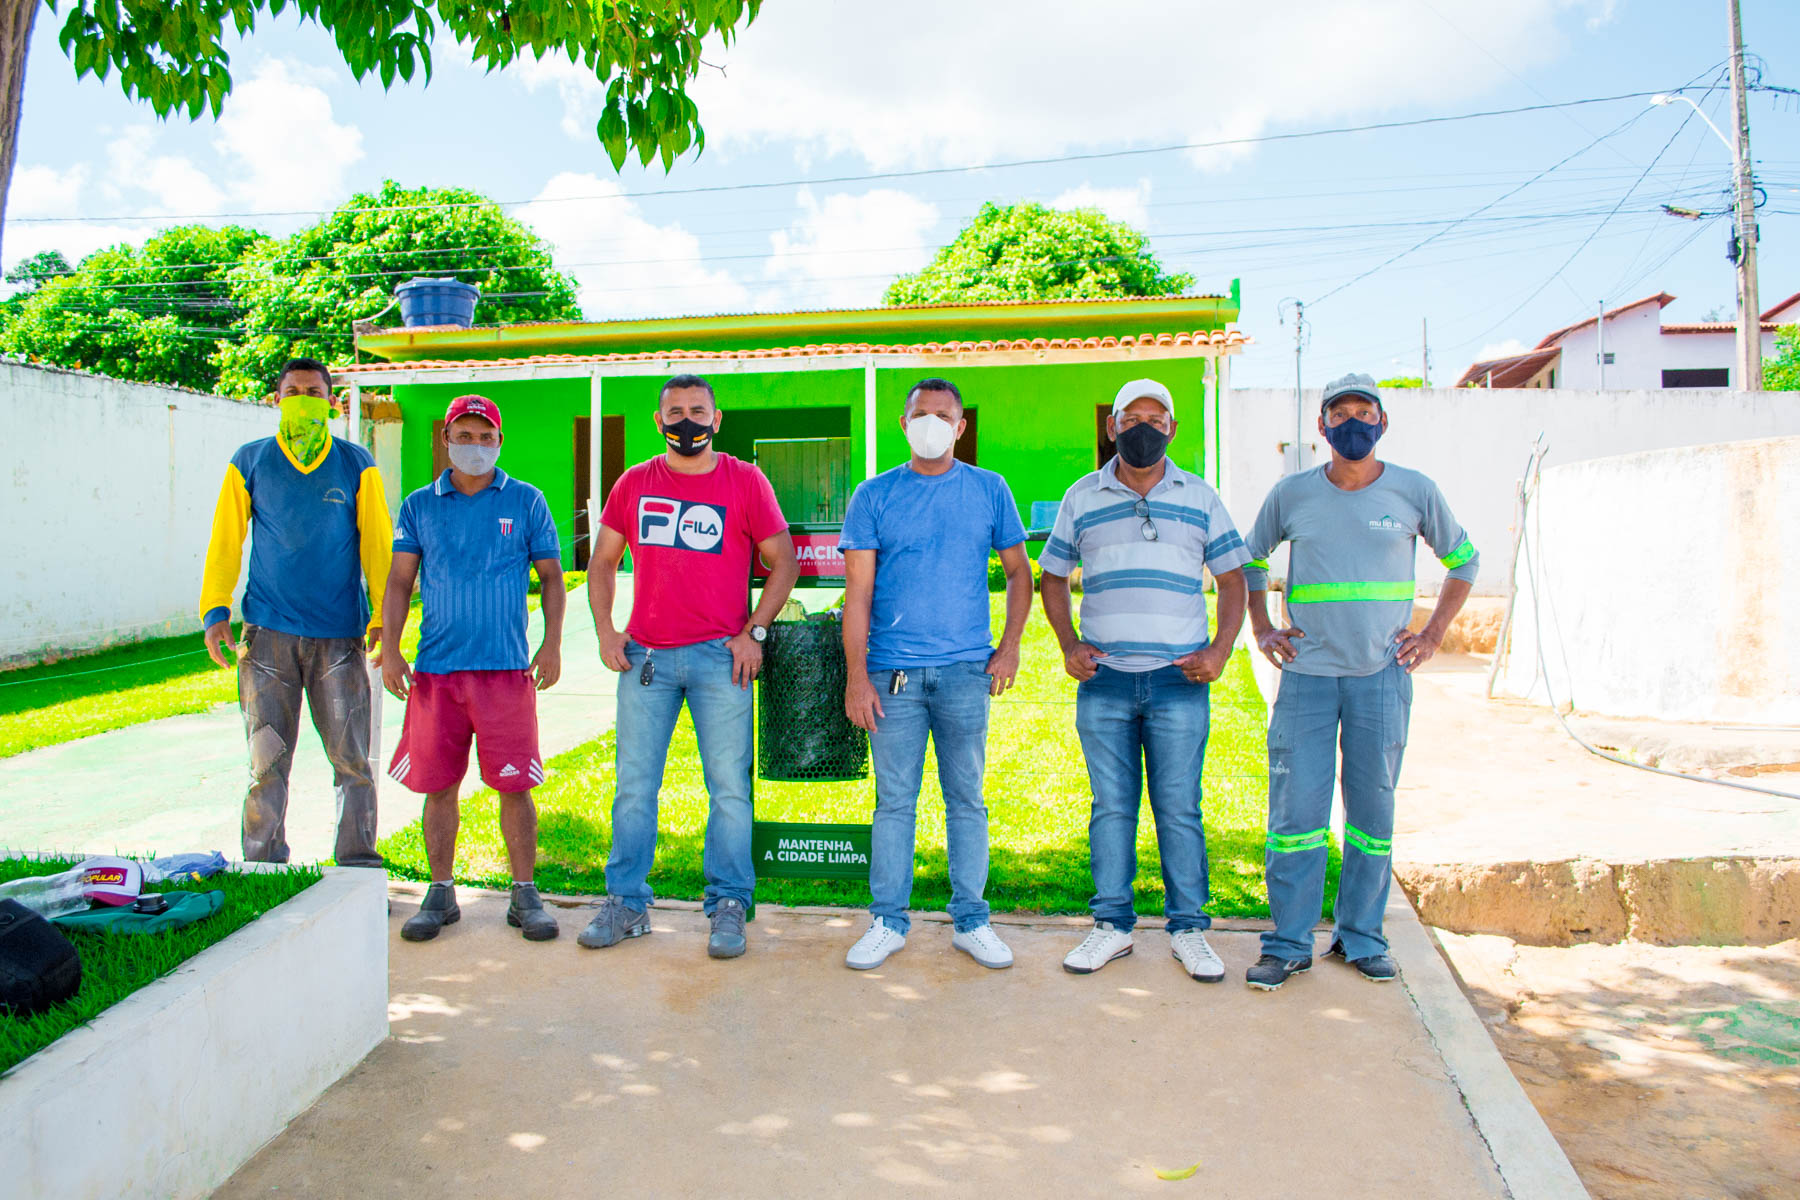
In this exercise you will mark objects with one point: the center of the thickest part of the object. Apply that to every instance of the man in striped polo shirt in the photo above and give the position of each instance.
(1141, 528)
(1346, 660)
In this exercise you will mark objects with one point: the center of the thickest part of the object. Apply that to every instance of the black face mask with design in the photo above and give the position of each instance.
(1143, 445)
(688, 437)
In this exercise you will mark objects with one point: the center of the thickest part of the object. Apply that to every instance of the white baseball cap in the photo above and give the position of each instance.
(1143, 389)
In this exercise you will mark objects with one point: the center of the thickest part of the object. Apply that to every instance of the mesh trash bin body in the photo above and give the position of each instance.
(803, 734)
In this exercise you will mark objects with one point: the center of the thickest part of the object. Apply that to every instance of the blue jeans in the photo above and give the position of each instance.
(1368, 714)
(701, 675)
(950, 704)
(1134, 724)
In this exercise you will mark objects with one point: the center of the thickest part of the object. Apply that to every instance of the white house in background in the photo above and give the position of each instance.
(1641, 351)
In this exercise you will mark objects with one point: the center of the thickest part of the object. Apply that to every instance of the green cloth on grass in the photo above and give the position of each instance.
(184, 909)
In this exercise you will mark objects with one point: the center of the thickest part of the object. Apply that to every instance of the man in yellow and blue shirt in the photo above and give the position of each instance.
(319, 556)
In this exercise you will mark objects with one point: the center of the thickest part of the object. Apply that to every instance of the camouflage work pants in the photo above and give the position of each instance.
(274, 671)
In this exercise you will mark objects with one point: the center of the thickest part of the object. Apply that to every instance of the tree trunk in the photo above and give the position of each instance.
(16, 18)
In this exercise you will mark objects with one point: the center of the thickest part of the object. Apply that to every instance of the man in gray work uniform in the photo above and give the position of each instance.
(1346, 660)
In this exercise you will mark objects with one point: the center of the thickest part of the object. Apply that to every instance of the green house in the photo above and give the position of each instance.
(813, 397)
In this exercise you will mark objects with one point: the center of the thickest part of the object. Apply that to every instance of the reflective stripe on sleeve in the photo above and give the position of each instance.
(1460, 555)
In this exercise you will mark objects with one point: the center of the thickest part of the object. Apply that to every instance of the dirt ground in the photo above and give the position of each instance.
(1665, 1072)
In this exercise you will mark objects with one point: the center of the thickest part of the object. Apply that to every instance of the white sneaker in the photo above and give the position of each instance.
(1196, 957)
(873, 947)
(1097, 949)
(984, 946)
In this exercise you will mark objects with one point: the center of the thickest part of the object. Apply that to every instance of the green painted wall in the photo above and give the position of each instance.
(1036, 427)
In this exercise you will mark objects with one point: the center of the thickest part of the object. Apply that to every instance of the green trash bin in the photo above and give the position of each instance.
(803, 734)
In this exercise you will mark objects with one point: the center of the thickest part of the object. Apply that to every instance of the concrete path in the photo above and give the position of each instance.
(648, 1069)
(178, 784)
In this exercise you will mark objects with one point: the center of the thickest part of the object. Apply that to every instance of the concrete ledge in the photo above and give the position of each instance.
(1528, 1156)
(1667, 902)
(169, 1091)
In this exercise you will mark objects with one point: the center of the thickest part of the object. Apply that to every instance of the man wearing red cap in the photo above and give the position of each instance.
(466, 540)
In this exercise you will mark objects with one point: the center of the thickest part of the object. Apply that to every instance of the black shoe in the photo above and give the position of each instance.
(1376, 968)
(438, 910)
(1271, 971)
(526, 914)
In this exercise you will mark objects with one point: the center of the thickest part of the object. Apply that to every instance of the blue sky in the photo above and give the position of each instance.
(815, 90)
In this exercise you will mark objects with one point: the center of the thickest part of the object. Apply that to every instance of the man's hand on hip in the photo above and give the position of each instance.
(1416, 649)
(612, 650)
(1078, 661)
(1277, 645)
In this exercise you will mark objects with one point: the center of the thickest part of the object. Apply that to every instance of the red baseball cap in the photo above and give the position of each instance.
(473, 406)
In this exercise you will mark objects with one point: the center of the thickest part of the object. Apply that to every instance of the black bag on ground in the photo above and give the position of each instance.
(38, 965)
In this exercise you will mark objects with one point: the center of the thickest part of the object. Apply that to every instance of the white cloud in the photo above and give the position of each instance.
(286, 149)
(946, 82)
(46, 191)
(624, 264)
(1506, 349)
(843, 251)
(1130, 205)
(159, 182)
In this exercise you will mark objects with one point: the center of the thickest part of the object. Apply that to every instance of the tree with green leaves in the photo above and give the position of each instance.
(153, 313)
(1782, 373)
(173, 55)
(302, 295)
(1401, 381)
(1032, 252)
(27, 278)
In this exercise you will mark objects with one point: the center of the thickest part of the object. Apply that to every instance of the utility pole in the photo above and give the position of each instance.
(1749, 310)
(1424, 352)
(1600, 344)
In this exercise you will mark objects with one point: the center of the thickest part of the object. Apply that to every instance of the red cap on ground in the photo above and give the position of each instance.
(473, 406)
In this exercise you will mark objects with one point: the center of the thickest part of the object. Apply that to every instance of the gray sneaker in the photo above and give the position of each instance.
(526, 914)
(727, 940)
(615, 922)
(438, 910)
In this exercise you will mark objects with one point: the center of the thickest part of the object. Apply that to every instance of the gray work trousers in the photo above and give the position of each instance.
(274, 669)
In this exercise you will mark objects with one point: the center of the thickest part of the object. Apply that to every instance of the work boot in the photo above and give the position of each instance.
(615, 922)
(1376, 968)
(438, 910)
(1272, 970)
(526, 914)
(727, 940)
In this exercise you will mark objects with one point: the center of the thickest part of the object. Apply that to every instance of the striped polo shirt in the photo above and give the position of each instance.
(1142, 600)
(474, 555)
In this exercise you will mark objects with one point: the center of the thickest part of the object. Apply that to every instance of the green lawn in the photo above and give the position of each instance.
(115, 965)
(1037, 796)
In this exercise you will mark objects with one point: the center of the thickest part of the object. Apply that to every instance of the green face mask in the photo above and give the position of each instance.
(304, 427)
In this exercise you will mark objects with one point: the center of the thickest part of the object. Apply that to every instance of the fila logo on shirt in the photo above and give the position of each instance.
(505, 526)
(683, 524)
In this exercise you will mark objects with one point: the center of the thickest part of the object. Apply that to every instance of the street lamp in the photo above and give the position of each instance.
(1663, 99)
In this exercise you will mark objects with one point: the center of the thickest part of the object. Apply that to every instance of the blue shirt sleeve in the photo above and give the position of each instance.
(1008, 529)
(406, 530)
(543, 542)
(1060, 554)
(860, 532)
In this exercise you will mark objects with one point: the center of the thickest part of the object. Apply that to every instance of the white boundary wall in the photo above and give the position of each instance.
(113, 486)
(171, 1090)
(1663, 583)
(1475, 442)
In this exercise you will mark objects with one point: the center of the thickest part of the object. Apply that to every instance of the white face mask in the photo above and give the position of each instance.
(930, 437)
(473, 459)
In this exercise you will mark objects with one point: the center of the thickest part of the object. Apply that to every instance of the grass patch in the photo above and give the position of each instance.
(115, 965)
(1037, 795)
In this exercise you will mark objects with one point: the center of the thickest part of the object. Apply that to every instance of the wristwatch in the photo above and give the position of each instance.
(759, 634)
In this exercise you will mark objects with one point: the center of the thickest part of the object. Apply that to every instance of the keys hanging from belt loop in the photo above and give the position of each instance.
(897, 683)
(649, 671)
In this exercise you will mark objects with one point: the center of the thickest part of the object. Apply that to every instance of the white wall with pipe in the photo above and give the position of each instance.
(112, 488)
(1475, 443)
(1659, 585)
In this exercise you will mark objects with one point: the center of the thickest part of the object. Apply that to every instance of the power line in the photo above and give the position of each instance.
(870, 177)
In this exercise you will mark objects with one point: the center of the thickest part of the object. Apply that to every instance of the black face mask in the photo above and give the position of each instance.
(687, 437)
(1142, 445)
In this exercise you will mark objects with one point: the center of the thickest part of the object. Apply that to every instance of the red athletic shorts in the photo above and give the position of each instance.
(497, 709)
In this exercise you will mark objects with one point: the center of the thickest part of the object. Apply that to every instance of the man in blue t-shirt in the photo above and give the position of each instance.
(916, 542)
